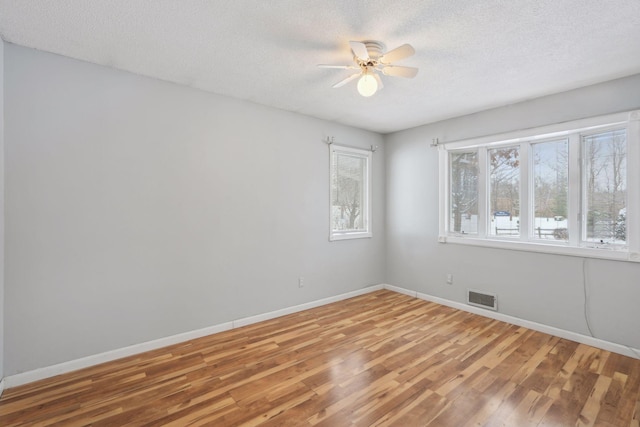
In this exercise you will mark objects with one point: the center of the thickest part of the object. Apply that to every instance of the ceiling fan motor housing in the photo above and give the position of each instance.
(375, 48)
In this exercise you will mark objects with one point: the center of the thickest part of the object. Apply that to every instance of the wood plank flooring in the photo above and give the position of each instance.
(381, 359)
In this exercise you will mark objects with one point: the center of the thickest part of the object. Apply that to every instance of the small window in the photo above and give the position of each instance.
(350, 201)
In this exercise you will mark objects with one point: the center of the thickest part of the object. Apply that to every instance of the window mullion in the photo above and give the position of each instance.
(633, 190)
(483, 192)
(445, 185)
(575, 205)
(525, 193)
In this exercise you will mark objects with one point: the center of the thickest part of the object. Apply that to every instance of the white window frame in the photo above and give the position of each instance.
(367, 156)
(573, 131)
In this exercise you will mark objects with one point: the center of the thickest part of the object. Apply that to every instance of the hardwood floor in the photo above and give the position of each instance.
(381, 359)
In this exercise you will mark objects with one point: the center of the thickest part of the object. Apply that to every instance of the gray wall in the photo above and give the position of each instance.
(543, 288)
(137, 209)
(1, 209)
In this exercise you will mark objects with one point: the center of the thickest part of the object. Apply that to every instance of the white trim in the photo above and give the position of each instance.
(443, 191)
(633, 175)
(574, 208)
(483, 193)
(527, 222)
(108, 356)
(547, 248)
(1, 386)
(562, 333)
(306, 306)
(347, 235)
(401, 290)
(96, 359)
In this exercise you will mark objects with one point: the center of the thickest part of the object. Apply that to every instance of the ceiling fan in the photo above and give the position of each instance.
(370, 61)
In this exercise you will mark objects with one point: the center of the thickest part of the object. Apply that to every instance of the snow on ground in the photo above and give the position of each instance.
(545, 228)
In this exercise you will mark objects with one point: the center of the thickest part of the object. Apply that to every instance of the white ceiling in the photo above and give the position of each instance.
(472, 55)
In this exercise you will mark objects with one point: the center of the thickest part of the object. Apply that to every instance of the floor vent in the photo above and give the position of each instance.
(482, 299)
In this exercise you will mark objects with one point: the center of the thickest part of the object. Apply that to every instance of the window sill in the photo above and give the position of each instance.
(350, 235)
(554, 249)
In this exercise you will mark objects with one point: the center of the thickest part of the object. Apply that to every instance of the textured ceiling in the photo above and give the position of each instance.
(472, 55)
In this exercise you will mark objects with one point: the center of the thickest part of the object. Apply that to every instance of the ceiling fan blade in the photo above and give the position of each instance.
(398, 71)
(347, 80)
(359, 50)
(341, 67)
(379, 80)
(404, 51)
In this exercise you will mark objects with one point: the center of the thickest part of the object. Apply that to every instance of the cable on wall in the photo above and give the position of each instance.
(586, 296)
(586, 305)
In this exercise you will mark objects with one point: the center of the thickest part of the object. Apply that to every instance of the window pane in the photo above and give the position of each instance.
(605, 186)
(550, 189)
(464, 192)
(504, 191)
(348, 192)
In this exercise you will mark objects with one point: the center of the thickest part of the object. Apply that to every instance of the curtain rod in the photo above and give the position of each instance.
(330, 141)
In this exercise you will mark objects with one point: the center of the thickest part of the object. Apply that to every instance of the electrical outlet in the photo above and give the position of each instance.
(301, 282)
(449, 279)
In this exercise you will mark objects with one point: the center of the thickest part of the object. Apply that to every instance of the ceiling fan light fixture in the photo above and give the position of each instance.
(369, 59)
(367, 85)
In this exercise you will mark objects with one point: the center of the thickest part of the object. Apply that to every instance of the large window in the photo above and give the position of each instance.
(350, 173)
(552, 190)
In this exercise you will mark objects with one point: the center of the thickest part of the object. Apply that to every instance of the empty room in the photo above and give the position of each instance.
(320, 213)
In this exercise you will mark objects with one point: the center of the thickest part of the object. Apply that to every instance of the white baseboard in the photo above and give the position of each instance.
(96, 359)
(401, 290)
(85, 362)
(1, 386)
(306, 306)
(562, 333)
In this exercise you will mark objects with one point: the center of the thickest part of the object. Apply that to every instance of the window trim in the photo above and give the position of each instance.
(572, 130)
(367, 155)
